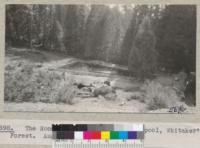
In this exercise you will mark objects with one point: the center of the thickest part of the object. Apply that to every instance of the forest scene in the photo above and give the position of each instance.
(100, 58)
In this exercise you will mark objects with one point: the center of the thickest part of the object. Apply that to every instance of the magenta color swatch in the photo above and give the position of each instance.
(87, 135)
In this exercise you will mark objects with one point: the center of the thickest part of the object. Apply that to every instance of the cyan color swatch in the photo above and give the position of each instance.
(123, 135)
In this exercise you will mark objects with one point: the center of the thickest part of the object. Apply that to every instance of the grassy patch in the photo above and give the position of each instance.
(159, 96)
(26, 84)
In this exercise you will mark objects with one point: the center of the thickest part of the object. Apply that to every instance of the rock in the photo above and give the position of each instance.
(103, 91)
(135, 97)
(101, 97)
(80, 85)
(84, 94)
(107, 83)
(39, 65)
(110, 96)
(87, 89)
(122, 104)
(83, 86)
(20, 64)
(129, 99)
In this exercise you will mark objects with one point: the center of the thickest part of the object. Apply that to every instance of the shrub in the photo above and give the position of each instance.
(18, 86)
(137, 96)
(159, 96)
(66, 92)
(25, 84)
(55, 88)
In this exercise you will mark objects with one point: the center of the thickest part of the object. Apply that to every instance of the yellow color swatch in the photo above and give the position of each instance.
(105, 135)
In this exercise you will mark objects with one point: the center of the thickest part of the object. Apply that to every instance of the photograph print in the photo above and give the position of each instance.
(111, 58)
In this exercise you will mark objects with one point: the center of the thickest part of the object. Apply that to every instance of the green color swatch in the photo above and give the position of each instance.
(114, 135)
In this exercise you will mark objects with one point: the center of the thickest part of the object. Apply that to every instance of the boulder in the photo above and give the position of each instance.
(103, 90)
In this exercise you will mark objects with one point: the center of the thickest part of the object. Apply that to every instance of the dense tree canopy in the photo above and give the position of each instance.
(143, 37)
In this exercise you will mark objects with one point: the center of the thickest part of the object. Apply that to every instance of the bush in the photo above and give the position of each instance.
(18, 85)
(137, 96)
(28, 85)
(159, 96)
(66, 92)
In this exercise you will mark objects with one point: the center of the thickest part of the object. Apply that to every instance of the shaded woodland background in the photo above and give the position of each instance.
(100, 58)
(146, 38)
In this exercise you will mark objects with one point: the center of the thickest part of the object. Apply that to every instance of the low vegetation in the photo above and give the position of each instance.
(28, 83)
(158, 96)
(25, 84)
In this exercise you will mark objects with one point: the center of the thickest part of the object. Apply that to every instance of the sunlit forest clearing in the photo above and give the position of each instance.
(100, 58)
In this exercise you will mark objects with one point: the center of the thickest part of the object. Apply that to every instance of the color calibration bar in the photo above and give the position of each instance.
(98, 131)
(98, 144)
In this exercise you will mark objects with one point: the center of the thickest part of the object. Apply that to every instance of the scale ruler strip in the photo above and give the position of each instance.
(98, 136)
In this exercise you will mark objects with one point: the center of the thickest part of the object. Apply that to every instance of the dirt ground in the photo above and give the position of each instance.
(86, 74)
